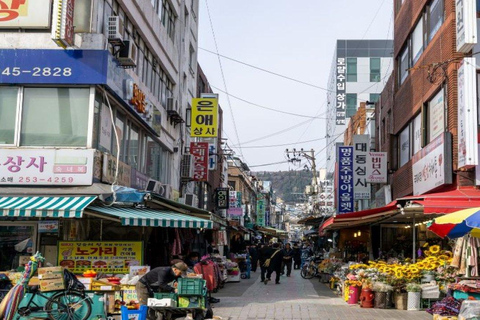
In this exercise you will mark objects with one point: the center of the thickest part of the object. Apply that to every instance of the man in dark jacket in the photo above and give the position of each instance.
(276, 260)
(297, 253)
(264, 253)
(287, 259)
(252, 250)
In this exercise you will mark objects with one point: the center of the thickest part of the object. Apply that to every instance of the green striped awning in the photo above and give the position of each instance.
(143, 217)
(53, 207)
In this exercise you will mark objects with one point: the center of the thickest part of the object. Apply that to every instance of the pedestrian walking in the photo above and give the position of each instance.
(275, 264)
(287, 259)
(297, 256)
(264, 253)
(252, 250)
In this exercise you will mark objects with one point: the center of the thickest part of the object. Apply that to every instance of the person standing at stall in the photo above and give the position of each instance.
(275, 264)
(287, 259)
(158, 279)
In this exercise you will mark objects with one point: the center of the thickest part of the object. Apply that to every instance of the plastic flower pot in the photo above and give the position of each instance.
(414, 301)
(353, 294)
(400, 300)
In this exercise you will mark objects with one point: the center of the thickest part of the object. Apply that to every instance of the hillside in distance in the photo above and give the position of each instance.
(288, 185)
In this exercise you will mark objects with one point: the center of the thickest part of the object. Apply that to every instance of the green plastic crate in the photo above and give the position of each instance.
(163, 295)
(191, 287)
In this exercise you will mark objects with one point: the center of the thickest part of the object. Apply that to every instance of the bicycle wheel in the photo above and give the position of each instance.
(307, 272)
(69, 306)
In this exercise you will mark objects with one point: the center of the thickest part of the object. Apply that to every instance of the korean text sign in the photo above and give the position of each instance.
(261, 211)
(235, 205)
(101, 256)
(25, 14)
(360, 150)
(46, 167)
(341, 91)
(204, 117)
(377, 167)
(345, 179)
(199, 150)
(222, 198)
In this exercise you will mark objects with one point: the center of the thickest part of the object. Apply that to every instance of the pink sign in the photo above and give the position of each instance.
(199, 150)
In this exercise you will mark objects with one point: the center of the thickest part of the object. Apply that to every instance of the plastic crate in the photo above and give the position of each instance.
(191, 287)
(466, 295)
(163, 295)
(191, 302)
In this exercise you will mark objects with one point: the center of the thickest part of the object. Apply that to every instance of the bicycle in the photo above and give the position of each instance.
(310, 268)
(68, 304)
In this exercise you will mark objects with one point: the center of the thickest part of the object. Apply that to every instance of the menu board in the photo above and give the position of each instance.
(102, 256)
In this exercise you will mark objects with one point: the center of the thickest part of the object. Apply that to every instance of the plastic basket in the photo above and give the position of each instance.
(163, 295)
(191, 287)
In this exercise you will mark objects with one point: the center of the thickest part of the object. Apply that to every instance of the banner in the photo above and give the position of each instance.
(260, 211)
(22, 14)
(114, 257)
(199, 150)
(204, 117)
(361, 146)
(345, 179)
(235, 204)
(377, 167)
(222, 198)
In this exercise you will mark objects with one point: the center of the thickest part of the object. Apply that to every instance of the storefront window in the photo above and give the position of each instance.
(82, 13)
(120, 131)
(436, 17)
(8, 114)
(55, 117)
(404, 145)
(133, 144)
(17, 241)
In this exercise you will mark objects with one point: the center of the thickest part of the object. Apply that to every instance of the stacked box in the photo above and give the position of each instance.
(191, 287)
(191, 302)
(51, 279)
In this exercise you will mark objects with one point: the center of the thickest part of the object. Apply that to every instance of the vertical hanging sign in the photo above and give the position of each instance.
(204, 118)
(345, 179)
(466, 24)
(341, 96)
(62, 23)
(361, 188)
(199, 150)
(261, 211)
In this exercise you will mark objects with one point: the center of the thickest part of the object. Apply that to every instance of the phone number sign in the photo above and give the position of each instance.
(25, 66)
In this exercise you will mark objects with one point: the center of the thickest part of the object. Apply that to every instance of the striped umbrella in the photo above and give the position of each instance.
(457, 224)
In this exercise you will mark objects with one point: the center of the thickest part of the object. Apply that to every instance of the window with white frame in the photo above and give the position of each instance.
(435, 18)
(8, 114)
(375, 69)
(403, 65)
(417, 41)
(404, 146)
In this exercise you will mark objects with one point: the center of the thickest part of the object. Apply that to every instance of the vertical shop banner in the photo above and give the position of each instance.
(361, 147)
(22, 14)
(222, 198)
(261, 211)
(466, 24)
(204, 117)
(199, 150)
(436, 115)
(235, 204)
(62, 23)
(341, 91)
(377, 167)
(345, 179)
(467, 114)
(114, 257)
(212, 156)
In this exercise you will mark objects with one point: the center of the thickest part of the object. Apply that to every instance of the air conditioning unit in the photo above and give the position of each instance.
(187, 168)
(127, 56)
(115, 29)
(172, 104)
(166, 191)
(191, 200)
(154, 186)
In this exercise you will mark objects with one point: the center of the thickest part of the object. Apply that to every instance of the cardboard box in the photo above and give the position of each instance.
(87, 282)
(165, 302)
(50, 273)
(52, 284)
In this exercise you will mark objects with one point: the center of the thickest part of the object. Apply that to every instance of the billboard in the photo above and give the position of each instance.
(345, 180)
(204, 117)
(25, 14)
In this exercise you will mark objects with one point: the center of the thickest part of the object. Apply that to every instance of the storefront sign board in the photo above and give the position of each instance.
(222, 198)
(361, 147)
(467, 114)
(345, 179)
(102, 256)
(466, 24)
(341, 82)
(261, 211)
(377, 167)
(436, 115)
(62, 22)
(26, 66)
(432, 166)
(46, 167)
(24, 14)
(109, 170)
(48, 226)
(204, 117)
(199, 150)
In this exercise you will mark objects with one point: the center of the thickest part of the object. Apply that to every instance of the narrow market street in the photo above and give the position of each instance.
(294, 298)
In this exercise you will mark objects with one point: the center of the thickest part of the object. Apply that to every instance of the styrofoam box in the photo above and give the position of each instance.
(166, 302)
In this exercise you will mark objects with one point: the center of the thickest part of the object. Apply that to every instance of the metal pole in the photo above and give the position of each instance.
(414, 239)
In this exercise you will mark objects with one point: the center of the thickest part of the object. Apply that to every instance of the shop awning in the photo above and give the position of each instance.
(358, 217)
(39, 207)
(445, 202)
(143, 217)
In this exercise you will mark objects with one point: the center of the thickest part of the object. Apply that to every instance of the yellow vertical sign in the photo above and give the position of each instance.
(204, 117)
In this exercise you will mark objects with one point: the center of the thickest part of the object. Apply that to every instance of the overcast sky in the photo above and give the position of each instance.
(295, 39)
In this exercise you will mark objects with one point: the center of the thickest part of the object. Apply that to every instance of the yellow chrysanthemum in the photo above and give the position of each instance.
(434, 249)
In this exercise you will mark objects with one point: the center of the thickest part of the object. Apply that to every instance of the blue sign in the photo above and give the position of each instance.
(24, 66)
(345, 180)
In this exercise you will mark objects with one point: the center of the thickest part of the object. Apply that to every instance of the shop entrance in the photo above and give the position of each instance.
(17, 243)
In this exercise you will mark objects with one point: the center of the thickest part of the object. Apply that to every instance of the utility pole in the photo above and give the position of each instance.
(310, 156)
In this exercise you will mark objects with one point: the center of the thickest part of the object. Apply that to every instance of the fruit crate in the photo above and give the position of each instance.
(163, 295)
(191, 287)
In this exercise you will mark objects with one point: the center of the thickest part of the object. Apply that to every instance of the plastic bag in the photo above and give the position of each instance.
(470, 309)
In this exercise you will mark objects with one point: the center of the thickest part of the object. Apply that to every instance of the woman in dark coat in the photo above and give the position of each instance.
(276, 260)
(252, 251)
(297, 257)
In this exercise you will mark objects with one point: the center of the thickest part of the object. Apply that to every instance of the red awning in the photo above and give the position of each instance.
(447, 201)
(358, 217)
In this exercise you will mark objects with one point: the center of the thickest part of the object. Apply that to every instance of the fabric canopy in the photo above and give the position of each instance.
(144, 217)
(53, 207)
(447, 201)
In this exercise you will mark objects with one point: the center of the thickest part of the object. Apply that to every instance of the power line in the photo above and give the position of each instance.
(224, 80)
(283, 144)
(267, 108)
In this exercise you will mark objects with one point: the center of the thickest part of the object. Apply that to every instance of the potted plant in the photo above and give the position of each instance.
(414, 294)
(399, 293)
(381, 290)
(428, 275)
